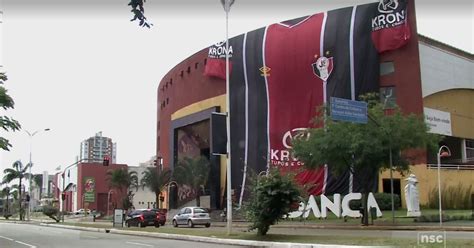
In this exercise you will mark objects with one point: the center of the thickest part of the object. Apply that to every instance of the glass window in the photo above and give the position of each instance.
(386, 68)
(200, 210)
(470, 150)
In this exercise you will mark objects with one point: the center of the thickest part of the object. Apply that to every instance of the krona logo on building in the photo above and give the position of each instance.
(218, 50)
(284, 157)
(295, 133)
(388, 6)
(392, 14)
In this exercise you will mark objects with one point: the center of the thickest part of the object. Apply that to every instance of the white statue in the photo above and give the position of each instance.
(412, 196)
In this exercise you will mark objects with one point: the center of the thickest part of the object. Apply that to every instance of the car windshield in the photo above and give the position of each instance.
(200, 210)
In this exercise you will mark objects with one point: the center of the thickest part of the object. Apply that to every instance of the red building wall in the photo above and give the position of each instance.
(99, 173)
(182, 86)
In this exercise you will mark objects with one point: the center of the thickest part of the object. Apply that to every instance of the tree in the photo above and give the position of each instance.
(273, 197)
(6, 193)
(156, 180)
(139, 13)
(121, 179)
(364, 149)
(7, 124)
(18, 172)
(37, 182)
(193, 172)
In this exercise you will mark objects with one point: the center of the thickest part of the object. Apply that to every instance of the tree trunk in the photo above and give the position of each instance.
(365, 215)
(198, 197)
(21, 206)
(366, 177)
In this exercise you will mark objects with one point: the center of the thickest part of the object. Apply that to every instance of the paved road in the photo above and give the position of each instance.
(35, 236)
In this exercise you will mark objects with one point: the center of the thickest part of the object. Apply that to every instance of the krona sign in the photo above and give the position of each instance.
(338, 208)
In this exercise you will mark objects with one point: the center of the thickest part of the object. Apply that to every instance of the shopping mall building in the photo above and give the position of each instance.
(280, 73)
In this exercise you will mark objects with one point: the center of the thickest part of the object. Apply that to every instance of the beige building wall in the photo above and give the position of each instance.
(428, 180)
(458, 102)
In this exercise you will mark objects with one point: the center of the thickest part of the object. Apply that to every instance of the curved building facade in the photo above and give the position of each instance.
(279, 74)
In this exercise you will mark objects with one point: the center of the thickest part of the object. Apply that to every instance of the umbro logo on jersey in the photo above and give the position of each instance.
(265, 71)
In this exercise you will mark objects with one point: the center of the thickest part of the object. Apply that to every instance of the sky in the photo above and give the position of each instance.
(80, 66)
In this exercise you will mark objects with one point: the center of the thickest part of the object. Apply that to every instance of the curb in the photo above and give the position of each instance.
(378, 228)
(247, 243)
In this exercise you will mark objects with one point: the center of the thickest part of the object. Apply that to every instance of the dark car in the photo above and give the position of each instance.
(161, 214)
(143, 218)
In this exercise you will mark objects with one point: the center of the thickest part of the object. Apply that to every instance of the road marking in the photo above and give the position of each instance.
(6, 238)
(19, 242)
(87, 236)
(133, 243)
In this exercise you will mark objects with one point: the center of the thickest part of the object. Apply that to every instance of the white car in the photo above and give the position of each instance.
(82, 211)
(192, 216)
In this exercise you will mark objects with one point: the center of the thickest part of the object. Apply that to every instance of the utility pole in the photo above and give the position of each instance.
(227, 4)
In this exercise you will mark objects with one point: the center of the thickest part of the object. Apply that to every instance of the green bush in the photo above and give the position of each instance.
(446, 217)
(452, 197)
(273, 197)
(384, 200)
(51, 212)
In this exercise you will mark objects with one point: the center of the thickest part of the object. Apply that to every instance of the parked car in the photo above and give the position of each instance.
(143, 218)
(82, 211)
(161, 215)
(192, 216)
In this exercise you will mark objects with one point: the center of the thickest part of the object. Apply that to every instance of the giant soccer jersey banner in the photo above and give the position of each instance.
(282, 72)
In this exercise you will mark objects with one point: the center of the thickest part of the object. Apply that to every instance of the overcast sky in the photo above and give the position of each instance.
(79, 66)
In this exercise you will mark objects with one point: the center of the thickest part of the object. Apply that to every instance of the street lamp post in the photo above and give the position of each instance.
(31, 135)
(442, 153)
(227, 4)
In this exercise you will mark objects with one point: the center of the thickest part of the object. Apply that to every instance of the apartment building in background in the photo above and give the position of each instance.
(97, 147)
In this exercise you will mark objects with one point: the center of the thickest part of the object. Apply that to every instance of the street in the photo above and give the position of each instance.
(35, 236)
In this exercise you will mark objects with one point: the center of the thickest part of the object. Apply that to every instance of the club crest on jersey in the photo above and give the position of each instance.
(323, 67)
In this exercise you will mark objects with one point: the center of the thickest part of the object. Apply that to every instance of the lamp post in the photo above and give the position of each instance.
(442, 153)
(227, 4)
(31, 135)
(169, 196)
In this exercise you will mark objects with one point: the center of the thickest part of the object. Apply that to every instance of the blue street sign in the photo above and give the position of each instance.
(348, 110)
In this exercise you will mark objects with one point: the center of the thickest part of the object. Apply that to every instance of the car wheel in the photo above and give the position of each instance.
(208, 225)
(190, 224)
(128, 224)
(175, 224)
(157, 225)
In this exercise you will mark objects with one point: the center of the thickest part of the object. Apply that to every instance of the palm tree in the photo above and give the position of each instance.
(6, 123)
(156, 180)
(193, 172)
(37, 183)
(18, 172)
(122, 180)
